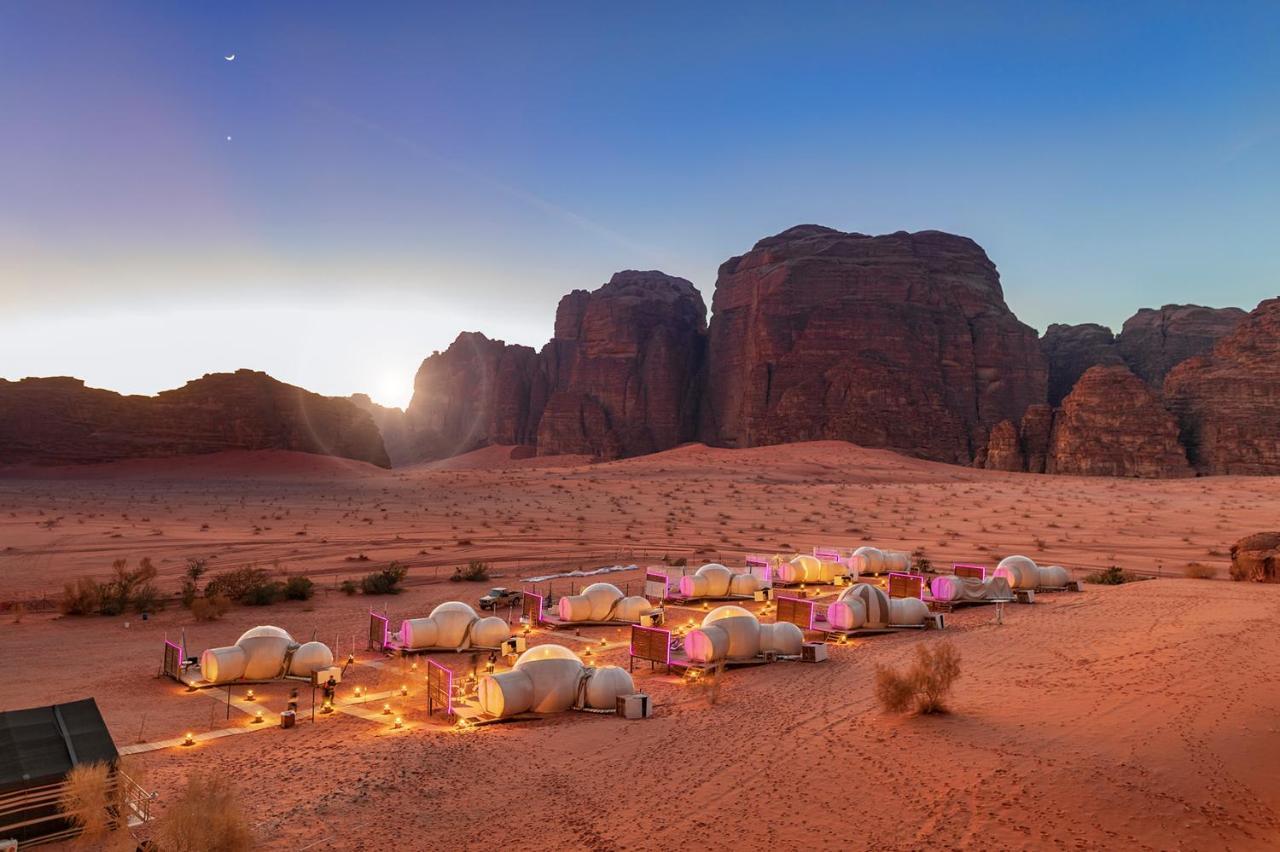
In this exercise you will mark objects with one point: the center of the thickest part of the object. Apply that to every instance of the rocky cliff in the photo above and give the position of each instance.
(1155, 340)
(475, 393)
(623, 367)
(1228, 402)
(392, 425)
(901, 341)
(1112, 424)
(60, 421)
(1070, 350)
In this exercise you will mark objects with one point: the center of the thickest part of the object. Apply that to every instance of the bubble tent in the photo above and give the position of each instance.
(1023, 574)
(451, 627)
(728, 635)
(548, 679)
(716, 582)
(262, 654)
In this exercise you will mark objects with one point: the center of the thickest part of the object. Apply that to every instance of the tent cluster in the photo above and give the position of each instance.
(733, 634)
(1021, 572)
(716, 581)
(264, 653)
(603, 602)
(865, 606)
(453, 626)
(551, 679)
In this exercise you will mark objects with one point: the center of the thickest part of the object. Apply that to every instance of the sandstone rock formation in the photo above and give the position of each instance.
(1072, 349)
(901, 341)
(1036, 431)
(392, 425)
(623, 367)
(1228, 402)
(1257, 558)
(475, 393)
(1024, 447)
(1004, 448)
(60, 421)
(1111, 424)
(1154, 341)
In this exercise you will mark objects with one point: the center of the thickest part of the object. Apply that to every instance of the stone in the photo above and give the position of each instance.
(392, 424)
(53, 421)
(1155, 340)
(1072, 349)
(1256, 558)
(1228, 402)
(1112, 424)
(901, 341)
(624, 367)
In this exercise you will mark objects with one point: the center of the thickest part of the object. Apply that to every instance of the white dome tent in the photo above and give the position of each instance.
(873, 560)
(263, 653)
(714, 581)
(552, 679)
(731, 634)
(602, 603)
(864, 607)
(1023, 574)
(951, 589)
(452, 626)
(802, 568)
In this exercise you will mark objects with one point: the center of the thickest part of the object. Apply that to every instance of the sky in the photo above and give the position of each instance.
(364, 181)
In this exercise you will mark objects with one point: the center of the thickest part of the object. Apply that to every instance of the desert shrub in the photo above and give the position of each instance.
(475, 570)
(210, 607)
(385, 581)
(925, 686)
(83, 597)
(1200, 571)
(348, 587)
(196, 569)
(921, 562)
(147, 598)
(299, 588)
(264, 594)
(205, 817)
(246, 585)
(679, 563)
(128, 588)
(1111, 576)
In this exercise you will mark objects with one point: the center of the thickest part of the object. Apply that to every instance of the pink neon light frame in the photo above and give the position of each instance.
(386, 628)
(812, 614)
(919, 577)
(448, 707)
(983, 568)
(632, 650)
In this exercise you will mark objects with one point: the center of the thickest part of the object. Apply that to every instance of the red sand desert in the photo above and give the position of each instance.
(1136, 716)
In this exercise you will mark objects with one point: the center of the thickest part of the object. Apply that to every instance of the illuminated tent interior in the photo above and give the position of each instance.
(264, 653)
(733, 634)
(455, 626)
(551, 679)
(809, 569)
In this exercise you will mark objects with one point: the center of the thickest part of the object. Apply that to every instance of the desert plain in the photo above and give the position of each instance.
(1138, 716)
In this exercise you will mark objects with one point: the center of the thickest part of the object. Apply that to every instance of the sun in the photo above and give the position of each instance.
(393, 388)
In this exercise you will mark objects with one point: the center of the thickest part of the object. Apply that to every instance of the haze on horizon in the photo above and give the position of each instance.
(399, 174)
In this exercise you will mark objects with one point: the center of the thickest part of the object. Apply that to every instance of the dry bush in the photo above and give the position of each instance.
(90, 801)
(210, 608)
(1200, 571)
(205, 817)
(924, 686)
(83, 597)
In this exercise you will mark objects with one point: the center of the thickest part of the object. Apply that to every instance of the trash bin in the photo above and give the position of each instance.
(288, 719)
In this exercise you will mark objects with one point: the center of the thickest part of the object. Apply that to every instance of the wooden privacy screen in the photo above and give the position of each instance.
(906, 586)
(650, 643)
(656, 584)
(439, 688)
(796, 611)
(172, 660)
(531, 608)
(827, 554)
(969, 571)
(377, 631)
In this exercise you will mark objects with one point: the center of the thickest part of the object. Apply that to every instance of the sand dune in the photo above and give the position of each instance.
(1136, 716)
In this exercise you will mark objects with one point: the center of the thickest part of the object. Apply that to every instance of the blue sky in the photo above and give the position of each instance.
(396, 174)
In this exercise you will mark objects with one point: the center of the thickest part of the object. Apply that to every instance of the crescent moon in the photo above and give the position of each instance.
(229, 58)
